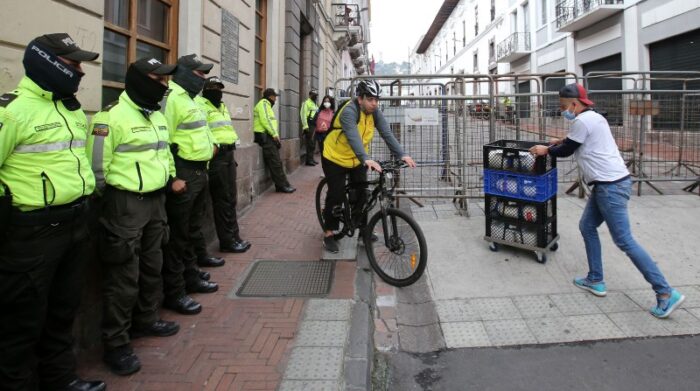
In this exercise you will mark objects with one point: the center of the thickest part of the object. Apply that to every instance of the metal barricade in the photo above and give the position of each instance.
(443, 121)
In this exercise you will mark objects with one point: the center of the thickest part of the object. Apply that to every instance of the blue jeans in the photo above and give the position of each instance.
(608, 203)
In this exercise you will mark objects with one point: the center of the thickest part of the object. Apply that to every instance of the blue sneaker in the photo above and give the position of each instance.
(664, 307)
(596, 288)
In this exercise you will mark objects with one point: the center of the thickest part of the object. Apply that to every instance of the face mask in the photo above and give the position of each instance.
(327, 105)
(190, 82)
(568, 115)
(143, 90)
(52, 74)
(214, 96)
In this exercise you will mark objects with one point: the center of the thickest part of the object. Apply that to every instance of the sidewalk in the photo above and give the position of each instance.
(237, 343)
(472, 297)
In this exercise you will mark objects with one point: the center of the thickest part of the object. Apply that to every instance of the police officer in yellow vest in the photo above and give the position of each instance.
(346, 148)
(222, 171)
(307, 112)
(133, 166)
(266, 135)
(46, 178)
(192, 145)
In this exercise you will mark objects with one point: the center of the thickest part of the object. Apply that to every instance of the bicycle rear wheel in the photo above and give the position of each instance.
(402, 260)
(321, 192)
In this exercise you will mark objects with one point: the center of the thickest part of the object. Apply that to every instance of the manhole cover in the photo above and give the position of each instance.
(288, 278)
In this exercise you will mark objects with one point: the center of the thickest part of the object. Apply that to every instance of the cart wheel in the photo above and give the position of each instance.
(541, 257)
(554, 247)
(493, 246)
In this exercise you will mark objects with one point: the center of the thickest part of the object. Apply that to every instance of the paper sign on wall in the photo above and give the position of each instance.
(422, 117)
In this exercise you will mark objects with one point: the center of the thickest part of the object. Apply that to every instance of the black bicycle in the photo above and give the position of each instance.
(394, 242)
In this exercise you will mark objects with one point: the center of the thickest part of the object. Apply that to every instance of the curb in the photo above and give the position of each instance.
(359, 354)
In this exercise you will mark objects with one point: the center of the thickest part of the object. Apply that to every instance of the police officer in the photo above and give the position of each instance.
(307, 112)
(44, 246)
(222, 171)
(265, 128)
(133, 167)
(192, 145)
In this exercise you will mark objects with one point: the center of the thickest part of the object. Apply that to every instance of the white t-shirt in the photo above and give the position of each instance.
(598, 156)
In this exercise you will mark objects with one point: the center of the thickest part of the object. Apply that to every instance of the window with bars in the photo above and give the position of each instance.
(135, 29)
(260, 42)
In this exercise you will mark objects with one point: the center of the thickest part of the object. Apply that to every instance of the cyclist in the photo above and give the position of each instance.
(345, 151)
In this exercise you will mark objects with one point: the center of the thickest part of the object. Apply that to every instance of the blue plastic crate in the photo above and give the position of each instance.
(538, 188)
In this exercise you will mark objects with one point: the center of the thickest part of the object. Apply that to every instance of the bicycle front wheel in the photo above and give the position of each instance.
(400, 254)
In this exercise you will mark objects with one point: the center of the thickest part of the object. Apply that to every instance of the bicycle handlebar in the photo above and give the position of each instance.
(392, 165)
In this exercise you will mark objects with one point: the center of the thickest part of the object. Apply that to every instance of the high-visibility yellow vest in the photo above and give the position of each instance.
(336, 147)
(219, 121)
(42, 149)
(188, 125)
(129, 149)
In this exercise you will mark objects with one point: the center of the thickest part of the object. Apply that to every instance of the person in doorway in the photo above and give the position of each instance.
(133, 167)
(322, 120)
(267, 136)
(308, 109)
(222, 171)
(45, 181)
(193, 145)
(346, 148)
(592, 144)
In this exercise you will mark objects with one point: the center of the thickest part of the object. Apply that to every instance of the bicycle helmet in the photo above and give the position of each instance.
(368, 87)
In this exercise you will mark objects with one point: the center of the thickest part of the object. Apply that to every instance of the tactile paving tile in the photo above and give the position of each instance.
(509, 332)
(536, 307)
(465, 334)
(496, 308)
(309, 385)
(594, 327)
(553, 330)
(644, 298)
(694, 311)
(288, 278)
(315, 364)
(456, 311)
(575, 303)
(317, 309)
(322, 333)
(681, 322)
(639, 324)
(692, 296)
(616, 302)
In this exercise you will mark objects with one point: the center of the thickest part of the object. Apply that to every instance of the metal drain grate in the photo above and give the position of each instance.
(288, 278)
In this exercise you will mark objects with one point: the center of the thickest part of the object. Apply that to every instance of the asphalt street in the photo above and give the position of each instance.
(671, 363)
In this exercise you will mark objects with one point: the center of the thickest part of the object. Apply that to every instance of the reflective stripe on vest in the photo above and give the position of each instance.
(217, 124)
(49, 147)
(192, 125)
(141, 148)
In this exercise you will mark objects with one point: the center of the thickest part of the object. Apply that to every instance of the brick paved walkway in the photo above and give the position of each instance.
(237, 344)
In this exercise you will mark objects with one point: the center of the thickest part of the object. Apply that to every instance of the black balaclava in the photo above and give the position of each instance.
(214, 95)
(52, 74)
(190, 82)
(314, 97)
(143, 90)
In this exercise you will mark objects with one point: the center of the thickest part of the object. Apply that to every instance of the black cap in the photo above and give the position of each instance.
(153, 65)
(270, 92)
(213, 82)
(313, 92)
(61, 44)
(191, 61)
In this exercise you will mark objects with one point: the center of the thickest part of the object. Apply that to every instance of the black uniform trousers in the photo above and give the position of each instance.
(224, 197)
(134, 232)
(336, 177)
(42, 260)
(310, 142)
(271, 156)
(185, 218)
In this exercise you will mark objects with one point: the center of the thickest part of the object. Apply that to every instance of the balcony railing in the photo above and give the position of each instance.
(346, 14)
(515, 46)
(573, 15)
